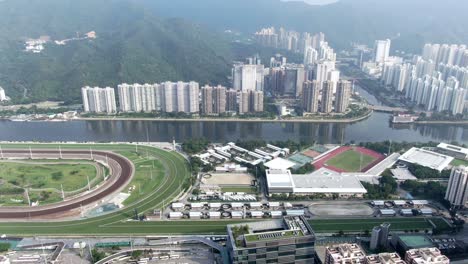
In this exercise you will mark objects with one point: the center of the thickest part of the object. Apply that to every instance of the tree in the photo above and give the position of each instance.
(97, 255)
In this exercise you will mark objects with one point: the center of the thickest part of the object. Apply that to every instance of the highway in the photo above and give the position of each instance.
(121, 170)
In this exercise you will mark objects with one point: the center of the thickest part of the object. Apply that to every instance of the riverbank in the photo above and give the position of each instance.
(251, 120)
(442, 122)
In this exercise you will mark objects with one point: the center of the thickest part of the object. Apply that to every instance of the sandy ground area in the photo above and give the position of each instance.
(228, 179)
(338, 209)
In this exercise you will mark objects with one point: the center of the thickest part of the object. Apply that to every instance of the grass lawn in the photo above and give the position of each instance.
(458, 162)
(251, 190)
(28, 174)
(356, 225)
(350, 161)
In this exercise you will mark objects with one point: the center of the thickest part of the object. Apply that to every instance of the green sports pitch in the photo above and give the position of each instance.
(350, 161)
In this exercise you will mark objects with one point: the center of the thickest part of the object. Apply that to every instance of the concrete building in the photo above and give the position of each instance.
(327, 97)
(382, 50)
(426, 158)
(452, 150)
(140, 97)
(342, 97)
(310, 96)
(322, 182)
(384, 258)
(231, 101)
(426, 256)
(213, 100)
(181, 97)
(457, 189)
(248, 77)
(379, 236)
(344, 253)
(286, 240)
(98, 100)
(250, 102)
(2, 95)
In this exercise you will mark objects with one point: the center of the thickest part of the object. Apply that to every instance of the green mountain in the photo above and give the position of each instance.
(132, 45)
(409, 23)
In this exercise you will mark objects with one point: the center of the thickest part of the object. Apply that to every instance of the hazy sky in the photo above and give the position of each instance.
(315, 2)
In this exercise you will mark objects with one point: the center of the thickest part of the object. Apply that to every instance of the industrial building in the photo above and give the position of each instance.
(286, 240)
(322, 181)
(426, 158)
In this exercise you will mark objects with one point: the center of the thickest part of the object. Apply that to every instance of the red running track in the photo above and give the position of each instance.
(321, 163)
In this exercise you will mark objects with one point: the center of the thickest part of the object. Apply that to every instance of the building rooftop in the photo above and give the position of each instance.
(426, 158)
(384, 258)
(327, 181)
(415, 241)
(453, 148)
(279, 179)
(287, 227)
(426, 256)
(279, 164)
(345, 253)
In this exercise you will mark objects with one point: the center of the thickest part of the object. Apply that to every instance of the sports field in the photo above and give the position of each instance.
(349, 159)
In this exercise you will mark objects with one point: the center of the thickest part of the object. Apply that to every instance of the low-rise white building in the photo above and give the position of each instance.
(452, 150)
(322, 181)
(426, 158)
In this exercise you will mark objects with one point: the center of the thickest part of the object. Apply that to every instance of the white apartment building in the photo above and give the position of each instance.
(457, 189)
(98, 100)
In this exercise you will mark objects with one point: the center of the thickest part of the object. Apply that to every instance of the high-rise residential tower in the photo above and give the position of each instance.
(343, 95)
(326, 104)
(457, 189)
(98, 100)
(310, 96)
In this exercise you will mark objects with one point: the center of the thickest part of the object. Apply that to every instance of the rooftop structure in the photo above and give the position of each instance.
(403, 243)
(344, 253)
(452, 150)
(322, 181)
(426, 158)
(279, 164)
(384, 258)
(263, 241)
(426, 256)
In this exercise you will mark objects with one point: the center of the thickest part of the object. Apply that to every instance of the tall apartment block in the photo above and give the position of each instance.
(310, 96)
(248, 77)
(344, 253)
(327, 97)
(379, 236)
(287, 240)
(231, 100)
(140, 97)
(98, 100)
(250, 102)
(425, 256)
(165, 97)
(343, 95)
(213, 100)
(457, 189)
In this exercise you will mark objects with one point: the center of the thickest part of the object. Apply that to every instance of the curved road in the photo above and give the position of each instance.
(121, 168)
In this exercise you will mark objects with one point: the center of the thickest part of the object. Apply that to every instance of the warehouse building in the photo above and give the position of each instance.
(322, 181)
(426, 158)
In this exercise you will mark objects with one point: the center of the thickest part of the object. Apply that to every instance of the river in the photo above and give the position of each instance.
(375, 128)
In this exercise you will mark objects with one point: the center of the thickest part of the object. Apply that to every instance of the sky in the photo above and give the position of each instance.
(315, 2)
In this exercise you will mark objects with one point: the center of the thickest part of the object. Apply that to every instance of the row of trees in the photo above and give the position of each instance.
(422, 172)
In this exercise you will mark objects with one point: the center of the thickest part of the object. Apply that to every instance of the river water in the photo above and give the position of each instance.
(375, 128)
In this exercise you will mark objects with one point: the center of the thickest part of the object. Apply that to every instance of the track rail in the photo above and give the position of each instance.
(122, 171)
